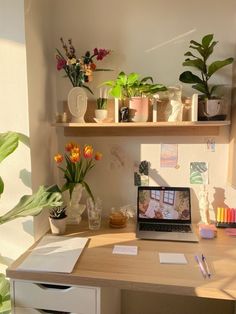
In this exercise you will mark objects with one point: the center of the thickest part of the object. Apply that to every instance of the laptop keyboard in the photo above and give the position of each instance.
(165, 227)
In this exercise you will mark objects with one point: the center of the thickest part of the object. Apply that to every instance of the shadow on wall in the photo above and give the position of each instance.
(219, 199)
(153, 173)
(25, 177)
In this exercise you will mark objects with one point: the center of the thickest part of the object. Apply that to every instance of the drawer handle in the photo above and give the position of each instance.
(52, 312)
(51, 286)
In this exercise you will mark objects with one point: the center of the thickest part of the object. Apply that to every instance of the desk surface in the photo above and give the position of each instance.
(97, 266)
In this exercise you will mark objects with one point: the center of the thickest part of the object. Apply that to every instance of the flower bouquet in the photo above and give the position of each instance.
(79, 70)
(78, 164)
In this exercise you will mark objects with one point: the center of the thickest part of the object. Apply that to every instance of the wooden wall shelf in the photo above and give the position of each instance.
(186, 128)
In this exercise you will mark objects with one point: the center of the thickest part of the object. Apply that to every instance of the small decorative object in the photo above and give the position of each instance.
(79, 70)
(209, 103)
(101, 111)
(174, 109)
(117, 219)
(137, 91)
(124, 114)
(203, 205)
(94, 209)
(77, 104)
(226, 217)
(78, 163)
(57, 219)
(207, 231)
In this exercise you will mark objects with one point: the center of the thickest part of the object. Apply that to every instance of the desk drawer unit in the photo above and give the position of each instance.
(36, 297)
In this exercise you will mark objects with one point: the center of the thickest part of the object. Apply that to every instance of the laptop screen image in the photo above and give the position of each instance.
(164, 204)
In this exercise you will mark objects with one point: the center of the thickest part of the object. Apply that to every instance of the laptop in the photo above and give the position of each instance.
(164, 213)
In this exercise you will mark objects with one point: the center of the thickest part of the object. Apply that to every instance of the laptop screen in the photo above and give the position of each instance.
(164, 204)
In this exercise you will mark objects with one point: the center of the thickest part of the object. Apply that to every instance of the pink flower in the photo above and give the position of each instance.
(100, 53)
(60, 63)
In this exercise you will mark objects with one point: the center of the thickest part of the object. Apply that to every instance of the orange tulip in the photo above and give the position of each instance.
(74, 157)
(69, 146)
(88, 151)
(58, 158)
(75, 150)
(98, 156)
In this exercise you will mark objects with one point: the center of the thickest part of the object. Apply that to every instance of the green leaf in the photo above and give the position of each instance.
(206, 40)
(147, 78)
(215, 66)
(189, 77)
(189, 54)
(210, 49)
(132, 78)
(201, 87)
(116, 91)
(122, 78)
(195, 43)
(8, 143)
(5, 302)
(32, 205)
(1, 186)
(197, 63)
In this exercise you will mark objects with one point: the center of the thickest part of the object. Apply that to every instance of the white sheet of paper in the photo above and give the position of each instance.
(172, 258)
(125, 249)
(54, 254)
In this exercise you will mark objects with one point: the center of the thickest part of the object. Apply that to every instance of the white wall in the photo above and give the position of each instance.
(15, 236)
(149, 37)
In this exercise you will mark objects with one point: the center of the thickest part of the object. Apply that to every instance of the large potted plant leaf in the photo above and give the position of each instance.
(29, 205)
(210, 104)
(137, 91)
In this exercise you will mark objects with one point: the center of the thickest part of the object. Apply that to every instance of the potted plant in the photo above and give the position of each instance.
(137, 91)
(101, 111)
(57, 219)
(208, 99)
(28, 205)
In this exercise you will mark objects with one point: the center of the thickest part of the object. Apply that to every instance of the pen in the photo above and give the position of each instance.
(206, 265)
(200, 266)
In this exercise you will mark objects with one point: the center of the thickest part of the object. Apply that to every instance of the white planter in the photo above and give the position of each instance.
(101, 114)
(58, 226)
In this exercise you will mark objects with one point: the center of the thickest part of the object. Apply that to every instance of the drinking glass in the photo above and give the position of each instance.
(94, 209)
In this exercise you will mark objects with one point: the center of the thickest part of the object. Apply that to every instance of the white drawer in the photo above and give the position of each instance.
(75, 299)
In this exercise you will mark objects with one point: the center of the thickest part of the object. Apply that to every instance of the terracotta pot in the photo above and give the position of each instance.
(138, 109)
(58, 226)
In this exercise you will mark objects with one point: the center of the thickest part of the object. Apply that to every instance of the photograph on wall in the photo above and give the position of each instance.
(210, 145)
(199, 172)
(169, 155)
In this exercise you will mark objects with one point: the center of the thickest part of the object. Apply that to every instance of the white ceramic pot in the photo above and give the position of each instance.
(58, 226)
(101, 114)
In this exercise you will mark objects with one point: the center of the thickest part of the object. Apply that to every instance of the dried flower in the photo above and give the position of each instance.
(79, 70)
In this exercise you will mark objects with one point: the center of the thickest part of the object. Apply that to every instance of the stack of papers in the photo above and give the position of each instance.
(172, 258)
(54, 254)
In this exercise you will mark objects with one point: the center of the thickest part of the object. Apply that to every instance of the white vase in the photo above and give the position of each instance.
(74, 209)
(77, 104)
(58, 226)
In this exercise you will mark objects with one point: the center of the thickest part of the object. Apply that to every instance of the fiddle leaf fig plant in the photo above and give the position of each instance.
(29, 205)
(198, 60)
(130, 85)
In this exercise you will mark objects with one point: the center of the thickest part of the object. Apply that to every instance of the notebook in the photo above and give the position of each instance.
(164, 213)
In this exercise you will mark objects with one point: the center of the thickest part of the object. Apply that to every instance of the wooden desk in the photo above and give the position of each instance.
(98, 267)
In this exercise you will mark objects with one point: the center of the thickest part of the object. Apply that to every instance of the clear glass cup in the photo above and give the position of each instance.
(94, 210)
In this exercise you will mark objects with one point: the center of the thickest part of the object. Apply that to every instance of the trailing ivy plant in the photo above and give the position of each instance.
(199, 62)
(29, 205)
